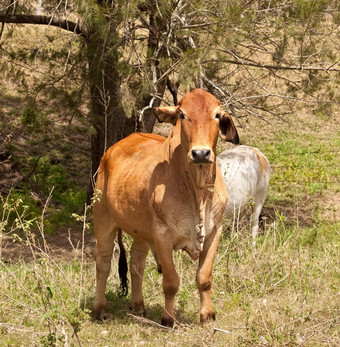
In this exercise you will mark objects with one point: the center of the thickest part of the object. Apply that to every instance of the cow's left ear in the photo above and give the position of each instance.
(168, 114)
(228, 130)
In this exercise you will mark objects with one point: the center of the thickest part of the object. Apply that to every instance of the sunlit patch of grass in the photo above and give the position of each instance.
(303, 163)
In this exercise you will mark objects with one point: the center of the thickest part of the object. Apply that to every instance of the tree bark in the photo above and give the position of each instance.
(157, 27)
(109, 119)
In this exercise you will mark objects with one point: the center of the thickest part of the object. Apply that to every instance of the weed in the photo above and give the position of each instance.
(41, 290)
(29, 115)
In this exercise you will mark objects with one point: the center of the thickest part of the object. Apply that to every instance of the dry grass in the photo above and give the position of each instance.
(285, 292)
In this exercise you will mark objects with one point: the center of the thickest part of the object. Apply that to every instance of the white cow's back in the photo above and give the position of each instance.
(246, 173)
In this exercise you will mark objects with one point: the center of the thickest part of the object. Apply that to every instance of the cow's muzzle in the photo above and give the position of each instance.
(201, 156)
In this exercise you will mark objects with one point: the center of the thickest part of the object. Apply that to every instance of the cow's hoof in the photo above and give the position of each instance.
(138, 309)
(207, 317)
(101, 317)
(168, 322)
(99, 309)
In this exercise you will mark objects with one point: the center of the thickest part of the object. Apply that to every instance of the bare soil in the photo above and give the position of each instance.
(64, 245)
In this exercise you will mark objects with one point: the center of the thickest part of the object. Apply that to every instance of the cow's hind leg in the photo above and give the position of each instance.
(258, 204)
(105, 232)
(139, 251)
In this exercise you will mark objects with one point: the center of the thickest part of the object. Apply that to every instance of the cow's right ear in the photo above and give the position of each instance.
(168, 114)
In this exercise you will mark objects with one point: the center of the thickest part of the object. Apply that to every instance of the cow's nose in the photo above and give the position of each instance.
(201, 155)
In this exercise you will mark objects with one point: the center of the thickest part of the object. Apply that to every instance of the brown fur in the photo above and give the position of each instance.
(262, 161)
(154, 192)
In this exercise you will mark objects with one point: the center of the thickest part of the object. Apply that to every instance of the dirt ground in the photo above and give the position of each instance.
(64, 245)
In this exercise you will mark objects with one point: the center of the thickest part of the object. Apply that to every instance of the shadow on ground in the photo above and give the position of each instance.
(66, 244)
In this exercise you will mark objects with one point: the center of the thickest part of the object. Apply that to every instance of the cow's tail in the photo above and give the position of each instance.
(122, 266)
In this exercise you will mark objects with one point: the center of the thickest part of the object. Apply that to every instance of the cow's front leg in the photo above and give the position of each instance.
(204, 275)
(164, 248)
(139, 251)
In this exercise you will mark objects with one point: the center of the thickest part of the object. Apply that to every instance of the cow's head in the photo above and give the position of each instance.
(201, 119)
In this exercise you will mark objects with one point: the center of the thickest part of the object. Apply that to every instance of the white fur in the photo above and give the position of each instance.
(247, 183)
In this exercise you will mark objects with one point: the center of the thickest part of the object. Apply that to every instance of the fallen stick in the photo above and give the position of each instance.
(148, 321)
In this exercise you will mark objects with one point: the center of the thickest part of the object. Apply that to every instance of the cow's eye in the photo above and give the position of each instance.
(182, 116)
(217, 116)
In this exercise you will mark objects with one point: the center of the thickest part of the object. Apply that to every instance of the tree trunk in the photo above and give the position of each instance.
(157, 27)
(109, 121)
(38, 8)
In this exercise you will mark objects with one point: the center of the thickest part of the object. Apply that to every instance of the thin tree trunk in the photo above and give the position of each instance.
(109, 121)
(38, 9)
(156, 30)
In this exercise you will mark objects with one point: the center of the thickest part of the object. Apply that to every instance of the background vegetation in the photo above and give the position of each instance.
(67, 95)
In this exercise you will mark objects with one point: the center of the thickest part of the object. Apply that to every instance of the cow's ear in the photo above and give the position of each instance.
(228, 130)
(168, 114)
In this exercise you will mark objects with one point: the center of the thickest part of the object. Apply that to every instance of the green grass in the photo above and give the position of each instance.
(19, 202)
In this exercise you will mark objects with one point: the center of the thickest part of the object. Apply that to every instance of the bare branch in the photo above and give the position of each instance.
(148, 321)
(173, 89)
(279, 67)
(200, 25)
(44, 20)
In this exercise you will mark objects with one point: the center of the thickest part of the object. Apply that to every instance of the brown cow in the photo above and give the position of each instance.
(168, 194)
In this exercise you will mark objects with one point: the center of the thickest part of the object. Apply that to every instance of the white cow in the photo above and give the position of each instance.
(246, 173)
